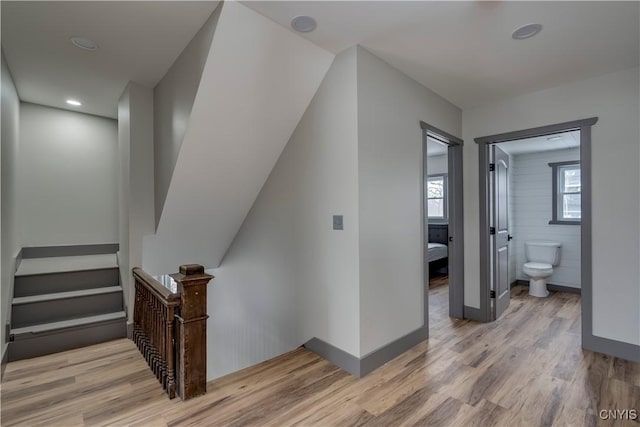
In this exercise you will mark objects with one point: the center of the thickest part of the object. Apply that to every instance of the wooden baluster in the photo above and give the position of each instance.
(170, 353)
(155, 334)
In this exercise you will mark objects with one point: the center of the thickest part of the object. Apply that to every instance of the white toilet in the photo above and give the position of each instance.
(541, 257)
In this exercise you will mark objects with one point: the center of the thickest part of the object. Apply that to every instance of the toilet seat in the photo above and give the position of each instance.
(537, 269)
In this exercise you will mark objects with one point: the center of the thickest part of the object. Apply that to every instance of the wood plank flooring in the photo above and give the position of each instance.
(526, 369)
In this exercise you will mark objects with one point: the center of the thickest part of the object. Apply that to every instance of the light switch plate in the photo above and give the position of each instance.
(337, 222)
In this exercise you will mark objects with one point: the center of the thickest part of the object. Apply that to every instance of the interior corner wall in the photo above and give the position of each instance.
(173, 99)
(136, 180)
(390, 108)
(10, 126)
(288, 276)
(615, 99)
(67, 177)
(124, 143)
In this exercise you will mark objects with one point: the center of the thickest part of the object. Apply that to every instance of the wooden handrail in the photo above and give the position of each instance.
(169, 328)
(154, 327)
(156, 287)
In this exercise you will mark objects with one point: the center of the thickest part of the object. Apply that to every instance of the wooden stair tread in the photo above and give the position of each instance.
(50, 265)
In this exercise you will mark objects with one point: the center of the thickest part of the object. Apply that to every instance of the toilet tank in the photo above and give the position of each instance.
(543, 251)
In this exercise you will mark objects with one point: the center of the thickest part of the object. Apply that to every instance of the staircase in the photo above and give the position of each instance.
(65, 297)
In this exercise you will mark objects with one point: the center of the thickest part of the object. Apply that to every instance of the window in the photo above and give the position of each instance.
(437, 197)
(566, 193)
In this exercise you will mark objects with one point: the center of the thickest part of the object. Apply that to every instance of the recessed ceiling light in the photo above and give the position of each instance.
(74, 102)
(303, 24)
(526, 31)
(554, 138)
(84, 43)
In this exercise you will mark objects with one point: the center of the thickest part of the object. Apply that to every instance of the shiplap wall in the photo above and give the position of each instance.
(531, 193)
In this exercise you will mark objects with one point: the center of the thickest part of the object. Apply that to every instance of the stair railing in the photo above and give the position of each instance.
(169, 328)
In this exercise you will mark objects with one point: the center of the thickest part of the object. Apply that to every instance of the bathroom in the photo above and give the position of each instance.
(544, 212)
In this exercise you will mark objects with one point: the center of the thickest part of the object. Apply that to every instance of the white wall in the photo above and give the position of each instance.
(173, 100)
(124, 162)
(615, 99)
(67, 177)
(390, 107)
(437, 164)
(255, 87)
(10, 126)
(136, 180)
(532, 197)
(288, 277)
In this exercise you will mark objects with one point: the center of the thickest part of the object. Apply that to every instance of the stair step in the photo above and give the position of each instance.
(38, 340)
(51, 283)
(54, 326)
(50, 265)
(65, 295)
(46, 308)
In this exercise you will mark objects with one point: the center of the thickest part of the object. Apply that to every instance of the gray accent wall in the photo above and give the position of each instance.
(10, 126)
(531, 194)
(67, 177)
(173, 99)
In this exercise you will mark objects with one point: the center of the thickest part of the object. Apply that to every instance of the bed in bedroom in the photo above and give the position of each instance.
(438, 250)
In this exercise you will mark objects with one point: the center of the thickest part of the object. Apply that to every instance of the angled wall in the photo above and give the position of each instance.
(288, 276)
(257, 81)
(173, 99)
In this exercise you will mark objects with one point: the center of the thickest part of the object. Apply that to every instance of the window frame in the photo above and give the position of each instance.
(445, 199)
(557, 214)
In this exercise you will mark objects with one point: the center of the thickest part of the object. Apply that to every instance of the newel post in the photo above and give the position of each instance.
(191, 342)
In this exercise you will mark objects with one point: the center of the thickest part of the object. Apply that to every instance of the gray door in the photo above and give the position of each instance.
(500, 221)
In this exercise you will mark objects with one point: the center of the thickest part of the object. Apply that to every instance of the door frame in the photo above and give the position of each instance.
(584, 126)
(455, 220)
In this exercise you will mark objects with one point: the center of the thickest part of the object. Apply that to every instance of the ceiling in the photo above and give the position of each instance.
(542, 143)
(464, 51)
(138, 41)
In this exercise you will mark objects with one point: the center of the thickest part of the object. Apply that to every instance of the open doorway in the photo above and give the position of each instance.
(535, 202)
(565, 223)
(443, 230)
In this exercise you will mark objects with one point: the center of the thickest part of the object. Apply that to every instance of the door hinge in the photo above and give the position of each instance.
(492, 167)
(492, 230)
(492, 294)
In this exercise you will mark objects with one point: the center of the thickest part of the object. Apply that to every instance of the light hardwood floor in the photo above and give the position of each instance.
(526, 369)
